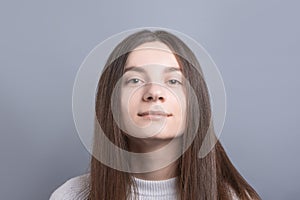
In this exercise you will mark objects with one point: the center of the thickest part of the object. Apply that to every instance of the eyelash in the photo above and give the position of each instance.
(130, 80)
(169, 81)
(177, 82)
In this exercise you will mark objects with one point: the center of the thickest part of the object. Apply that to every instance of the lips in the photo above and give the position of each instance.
(154, 113)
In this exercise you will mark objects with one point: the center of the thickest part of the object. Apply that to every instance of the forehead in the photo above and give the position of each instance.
(152, 53)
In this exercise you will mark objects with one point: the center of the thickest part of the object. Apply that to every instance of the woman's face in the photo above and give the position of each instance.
(153, 100)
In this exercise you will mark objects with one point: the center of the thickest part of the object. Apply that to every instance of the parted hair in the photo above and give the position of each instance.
(210, 178)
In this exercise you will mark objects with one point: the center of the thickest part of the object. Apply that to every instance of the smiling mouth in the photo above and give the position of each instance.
(154, 113)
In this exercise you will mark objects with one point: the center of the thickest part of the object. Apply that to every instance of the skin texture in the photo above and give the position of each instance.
(153, 90)
(158, 88)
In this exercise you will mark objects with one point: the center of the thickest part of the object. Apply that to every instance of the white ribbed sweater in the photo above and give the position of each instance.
(77, 189)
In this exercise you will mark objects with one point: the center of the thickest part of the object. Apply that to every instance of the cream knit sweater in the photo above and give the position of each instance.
(77, 189)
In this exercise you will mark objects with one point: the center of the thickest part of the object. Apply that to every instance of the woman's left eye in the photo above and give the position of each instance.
(174, 82)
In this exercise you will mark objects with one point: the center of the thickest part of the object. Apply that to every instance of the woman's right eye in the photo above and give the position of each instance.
(134, 81)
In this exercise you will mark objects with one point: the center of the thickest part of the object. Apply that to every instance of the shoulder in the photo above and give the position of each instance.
(76, 188)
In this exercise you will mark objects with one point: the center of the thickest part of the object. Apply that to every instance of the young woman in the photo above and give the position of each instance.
(152, 96)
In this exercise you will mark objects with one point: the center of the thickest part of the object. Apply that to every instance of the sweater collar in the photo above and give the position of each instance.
(156, 187)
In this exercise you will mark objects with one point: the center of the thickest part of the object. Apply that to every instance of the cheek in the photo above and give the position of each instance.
(180, 110)
(179, 102)
(129, 102)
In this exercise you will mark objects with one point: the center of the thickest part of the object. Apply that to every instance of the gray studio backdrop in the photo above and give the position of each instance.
(255, 44)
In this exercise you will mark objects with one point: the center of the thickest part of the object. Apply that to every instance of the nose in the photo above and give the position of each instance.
(154, 92)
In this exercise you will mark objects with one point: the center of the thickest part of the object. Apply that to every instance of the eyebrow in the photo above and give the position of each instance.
(141, 70)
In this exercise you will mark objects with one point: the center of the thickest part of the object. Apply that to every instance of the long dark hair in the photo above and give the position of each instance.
(210, 178)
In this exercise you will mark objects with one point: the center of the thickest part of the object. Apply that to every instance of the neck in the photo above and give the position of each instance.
(164, 162)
